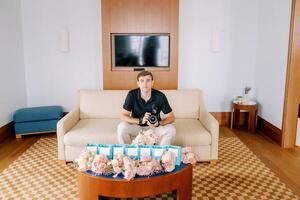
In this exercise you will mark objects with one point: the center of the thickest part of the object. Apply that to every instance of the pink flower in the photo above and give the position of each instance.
(139, 139)
(100, 164)
(117, 164)
(186, 149)
(149, 140)
(148, 137)
(153, 136)
(130, 168)
(146, 158)
(156, 138)
(128, 162)
(149, 132)
(85, 160)
(117, 167)
(141, 170)
(119, 158)
(188, 156)
(144, 169)
(168, 157)
(99, 168)
(129, 174)
(169, 167)
(117, 171)
(156, 166)
(82, 164)
(101, 158)
(90, 159)
(148, 166)
(168, 160)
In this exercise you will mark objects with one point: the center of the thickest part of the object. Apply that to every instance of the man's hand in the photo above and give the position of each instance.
(170, 118)
(145, 118)
(126, 116)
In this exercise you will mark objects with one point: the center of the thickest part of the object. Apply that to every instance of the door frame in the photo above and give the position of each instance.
(292, 93)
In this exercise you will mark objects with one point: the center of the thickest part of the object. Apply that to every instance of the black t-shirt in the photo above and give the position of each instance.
(138, 107)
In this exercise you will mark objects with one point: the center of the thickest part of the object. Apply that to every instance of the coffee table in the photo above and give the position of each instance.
(90, 186)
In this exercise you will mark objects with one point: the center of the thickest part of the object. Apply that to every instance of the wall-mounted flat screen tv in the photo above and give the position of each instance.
(140, 50)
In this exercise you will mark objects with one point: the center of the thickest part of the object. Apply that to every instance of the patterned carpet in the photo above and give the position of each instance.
(239, 174)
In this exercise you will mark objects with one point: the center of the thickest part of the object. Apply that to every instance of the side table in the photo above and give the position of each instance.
(251, 107)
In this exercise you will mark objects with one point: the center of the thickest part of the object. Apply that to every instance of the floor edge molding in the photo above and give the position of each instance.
(6, 131)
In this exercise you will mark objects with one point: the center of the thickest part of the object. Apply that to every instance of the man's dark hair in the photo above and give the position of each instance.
(144, 73)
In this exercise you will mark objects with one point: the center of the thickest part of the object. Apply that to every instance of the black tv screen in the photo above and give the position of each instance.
(140, 50)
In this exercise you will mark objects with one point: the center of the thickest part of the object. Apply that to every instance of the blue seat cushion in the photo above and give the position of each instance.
(38, 114)
(37, 126)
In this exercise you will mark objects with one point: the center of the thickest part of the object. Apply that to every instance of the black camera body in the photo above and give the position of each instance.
(153, 118)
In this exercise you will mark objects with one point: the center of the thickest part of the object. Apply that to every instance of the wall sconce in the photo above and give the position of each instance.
(64, 40)
(215, 41)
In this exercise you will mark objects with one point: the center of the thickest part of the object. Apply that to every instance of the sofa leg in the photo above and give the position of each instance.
(18, 136)
(213, 162)
(62, 162)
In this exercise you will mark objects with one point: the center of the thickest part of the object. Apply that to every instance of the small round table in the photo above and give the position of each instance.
(90, 187)
(251, 107)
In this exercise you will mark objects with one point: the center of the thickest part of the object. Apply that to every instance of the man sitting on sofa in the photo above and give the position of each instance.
(141, 111)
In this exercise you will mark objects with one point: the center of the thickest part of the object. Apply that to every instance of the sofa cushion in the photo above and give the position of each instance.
(102, 131)
(38, 114)
(101, 104)
(185, 103)
(36, 126)
(190, 132)
(108, 103)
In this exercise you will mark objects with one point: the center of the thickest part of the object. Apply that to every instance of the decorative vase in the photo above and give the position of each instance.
(245, 98)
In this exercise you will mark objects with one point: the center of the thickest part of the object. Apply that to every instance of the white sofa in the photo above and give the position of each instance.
(97, 115)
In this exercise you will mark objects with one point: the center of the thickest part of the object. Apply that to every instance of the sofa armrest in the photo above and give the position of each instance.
(63, 126)
(212, 125)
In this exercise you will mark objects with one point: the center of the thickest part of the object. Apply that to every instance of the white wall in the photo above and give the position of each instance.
(251, 33)
(254, 38)
(53, 77)
(271, 62)
(12, 78)
(224, 74)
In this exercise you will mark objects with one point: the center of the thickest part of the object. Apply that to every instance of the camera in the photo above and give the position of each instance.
(153, 118)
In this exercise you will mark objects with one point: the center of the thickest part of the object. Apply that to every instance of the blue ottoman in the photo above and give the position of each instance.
(36, 120)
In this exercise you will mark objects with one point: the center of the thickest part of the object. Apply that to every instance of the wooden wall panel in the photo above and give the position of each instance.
(292, 91)
(139, 16)
(224, 118)
(6, 131)
(270, 130)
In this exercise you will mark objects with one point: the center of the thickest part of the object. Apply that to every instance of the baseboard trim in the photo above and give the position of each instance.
(270, 130)
(262, 125)
(6, 131)
(224, 118)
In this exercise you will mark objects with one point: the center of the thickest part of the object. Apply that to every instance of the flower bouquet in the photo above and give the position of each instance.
(148, 137)
(129, 168)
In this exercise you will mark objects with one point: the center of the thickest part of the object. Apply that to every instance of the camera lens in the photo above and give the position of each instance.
(152, 119)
